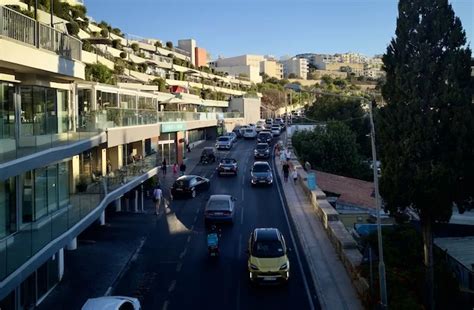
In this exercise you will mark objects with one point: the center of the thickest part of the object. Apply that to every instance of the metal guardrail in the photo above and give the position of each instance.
(22, 28)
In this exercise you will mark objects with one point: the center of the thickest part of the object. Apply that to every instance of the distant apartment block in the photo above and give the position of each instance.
(295, 66)
(188, 45)
(200, 57)
(272, 68)
(247, 65)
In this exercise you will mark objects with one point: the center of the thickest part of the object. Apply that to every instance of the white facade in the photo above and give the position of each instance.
(251, 72)
(296, 66)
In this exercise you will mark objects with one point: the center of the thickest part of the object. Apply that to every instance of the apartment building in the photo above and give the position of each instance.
(244, 65)
(272, 68)
(295, 66)
(70, 148)
(352, 63)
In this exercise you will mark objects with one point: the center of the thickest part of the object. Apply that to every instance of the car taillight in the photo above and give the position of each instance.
(226, 212)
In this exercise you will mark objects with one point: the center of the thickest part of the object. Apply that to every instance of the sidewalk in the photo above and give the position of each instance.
(333, 284)
(105, 251)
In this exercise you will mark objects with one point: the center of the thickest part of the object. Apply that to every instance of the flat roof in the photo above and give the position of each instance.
(460, 248)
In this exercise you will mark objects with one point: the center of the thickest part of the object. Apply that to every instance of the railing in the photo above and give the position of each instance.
(22, 28)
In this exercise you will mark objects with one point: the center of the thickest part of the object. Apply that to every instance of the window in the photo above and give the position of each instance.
(106, 100)
(7, 207)
(128, 101)
(7, 112)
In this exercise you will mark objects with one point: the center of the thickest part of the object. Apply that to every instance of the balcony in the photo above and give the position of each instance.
(40, 46)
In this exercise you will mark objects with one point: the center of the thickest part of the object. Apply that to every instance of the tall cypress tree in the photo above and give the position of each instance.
(426, 129)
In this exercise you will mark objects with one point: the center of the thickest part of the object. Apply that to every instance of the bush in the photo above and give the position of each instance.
(87, 46)
(117, 31)
(169, 45)
(158, 44)
(123, 55)
(117, 44)
(135, 47)
(104, 33)
(72, 28)
(99, 73)
(119, 69)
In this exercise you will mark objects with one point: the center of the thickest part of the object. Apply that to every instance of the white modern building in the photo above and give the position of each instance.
(295, 66)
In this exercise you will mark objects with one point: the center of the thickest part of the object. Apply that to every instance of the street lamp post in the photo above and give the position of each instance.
(382, 279)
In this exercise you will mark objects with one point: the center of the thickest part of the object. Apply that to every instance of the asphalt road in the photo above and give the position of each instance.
(173, 271)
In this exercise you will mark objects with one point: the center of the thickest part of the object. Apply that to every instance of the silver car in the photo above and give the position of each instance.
(224, 142)
(219, 208)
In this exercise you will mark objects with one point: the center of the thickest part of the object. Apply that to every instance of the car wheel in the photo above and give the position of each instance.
(193, 193)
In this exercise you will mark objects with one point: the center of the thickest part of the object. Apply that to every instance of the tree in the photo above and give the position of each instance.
(169, 45)
(273, 99)
(135, 47)
(292, 76)
(426, 130)
(158, 44)
(99, 73)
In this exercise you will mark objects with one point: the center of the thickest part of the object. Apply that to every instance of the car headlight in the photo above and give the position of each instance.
(267, 151)
(255, 152)
(253, 267)
(284, 266)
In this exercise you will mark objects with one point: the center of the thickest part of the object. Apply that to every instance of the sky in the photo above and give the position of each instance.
(266, 27)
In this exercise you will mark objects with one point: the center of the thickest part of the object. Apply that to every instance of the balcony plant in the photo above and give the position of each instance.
(72, 28)
(104, 33)
(169, 45)
(123, 55)
(81, 185)
(117, 44)
(135, 47)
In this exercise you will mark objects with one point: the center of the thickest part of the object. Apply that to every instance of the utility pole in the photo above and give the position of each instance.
(382, 279)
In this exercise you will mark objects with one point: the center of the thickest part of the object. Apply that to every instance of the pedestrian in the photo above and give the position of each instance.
(294, 175)
(182, 168)
(188, 148)
(157, 195)
(282, 156)
(163, 166)
(109, 167)
(175, 168)
(307, 166)
(287, 154)
(286, 171)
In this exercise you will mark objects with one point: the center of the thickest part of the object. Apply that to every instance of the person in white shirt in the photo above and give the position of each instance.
(157, 195)
(294, 175)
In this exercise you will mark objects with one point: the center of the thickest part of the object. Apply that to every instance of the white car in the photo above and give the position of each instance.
(242, 129)
(250, 133)
(224, 142)
(276, 130)
(112, 303)
(233, 135)
(259, 128)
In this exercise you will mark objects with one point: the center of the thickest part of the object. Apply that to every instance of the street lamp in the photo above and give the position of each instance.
(382, 278)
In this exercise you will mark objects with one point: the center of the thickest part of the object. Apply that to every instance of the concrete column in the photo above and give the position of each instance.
(142, 201)
(104, 161)
(72, 245)
(75, 173)
(135, 202)
(118, 205)
(61, 264)
(179, 146)
(102, 218)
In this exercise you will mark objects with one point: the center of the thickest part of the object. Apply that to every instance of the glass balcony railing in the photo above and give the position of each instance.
(22, 28)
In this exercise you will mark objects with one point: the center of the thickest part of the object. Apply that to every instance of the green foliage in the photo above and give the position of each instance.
(433, 117)
(117, 31)
(292, 76)
(331, 148)
(87, 46)
(327, 108)
(169, 45)
(117, 44)
(135, 47)
(99, 73)
(123, 55)
(104, 33)
(160, 83)
(72, 28)
(158, 44)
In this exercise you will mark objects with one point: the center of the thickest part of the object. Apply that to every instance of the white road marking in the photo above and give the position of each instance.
(172, 286)
(192, 228)
(242, 194)
(189, 239)
(242, 216)
(165, 305)
(178, 267)
(293, 240)
(195, 219)
(197, 211)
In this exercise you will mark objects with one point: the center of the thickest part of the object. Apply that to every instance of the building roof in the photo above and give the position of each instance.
(460, 248)
(352, 191)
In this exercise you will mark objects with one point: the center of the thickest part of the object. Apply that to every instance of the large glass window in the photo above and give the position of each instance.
(106, 100)
(40, 192)
(7, 207)
(51, 115)
(128, 101)
(7, 111)
(63, 111)
(63, 184)
(146, 103)
(27, 115)
(39, 111)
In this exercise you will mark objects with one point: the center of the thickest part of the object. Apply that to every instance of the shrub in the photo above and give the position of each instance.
(104, 33)
(135, 47)
(169, 45)
(123, 55)
(87, 46)
(119, 69)
(158, 44)
(72, 28)
(117, 31)
(117, 44)
(99, 73)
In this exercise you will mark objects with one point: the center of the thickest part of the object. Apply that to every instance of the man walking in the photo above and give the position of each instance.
(163, 166)
(157, 195)
(286, 171)
(182, 168)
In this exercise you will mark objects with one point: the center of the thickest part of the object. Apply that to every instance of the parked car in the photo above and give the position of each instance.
(269, 121)
(242, 129)
(262, 150)
(261, 173)
(219, 208)
(227, 166)
(189, 185)
(276, 130)
(208, 154)
(268, 261)
(259, 128)
(224, 142)
(233, 135)
(278, 121)
(236, 130)
(250, 133)
(264, 137)
(112, 303)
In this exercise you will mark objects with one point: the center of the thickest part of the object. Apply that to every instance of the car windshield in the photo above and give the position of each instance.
(218, 205)
(228, 161)
(224, 139)
(182, 183)
(248, 130)
(261, 146)
(267, 249)
(261, 168)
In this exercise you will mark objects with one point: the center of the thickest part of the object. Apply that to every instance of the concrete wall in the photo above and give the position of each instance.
(249, 106)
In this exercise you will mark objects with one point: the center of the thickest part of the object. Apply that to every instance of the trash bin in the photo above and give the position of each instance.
(311, 179)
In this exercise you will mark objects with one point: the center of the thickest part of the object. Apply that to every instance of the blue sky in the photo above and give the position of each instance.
(276, 27)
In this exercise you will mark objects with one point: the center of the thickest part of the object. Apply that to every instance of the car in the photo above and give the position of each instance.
(262, 150)
(236, 130)
(242, 129)
(227, 166)
(260, 122)
(269, 121)
(261, 174)
(233, 135)
(209, 154)
(276, 130)
(259, 128)
(278, 121)
(252, 125)
(189, 185)
(267, 256)
(264, 137)
(219, 208)
(250, 133)
(112, 303)
(224, 142)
